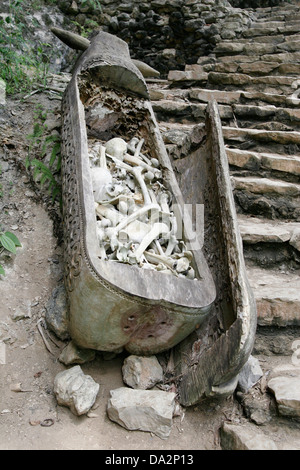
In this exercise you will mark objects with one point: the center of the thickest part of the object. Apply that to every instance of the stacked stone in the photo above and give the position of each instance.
(166, 34)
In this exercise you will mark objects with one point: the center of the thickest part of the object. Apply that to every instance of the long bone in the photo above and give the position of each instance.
(109, 213)
(137, 172)
(172, 237)
(138, 147)
(114, 200)
(158, 259)
(135, 215)
(102, 157)
(163, 201)
(150, 203)
(150, 161)
(138, 161)
(155, 231)
(135, 146)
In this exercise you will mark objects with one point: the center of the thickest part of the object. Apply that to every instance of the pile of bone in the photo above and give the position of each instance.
(135, 223)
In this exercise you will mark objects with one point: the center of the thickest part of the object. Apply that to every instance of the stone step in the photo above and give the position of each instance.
(257, 67)
(271, 44)
(260, 28)
(250, 68)
(237, 139)
(272, 23)
(266, 197)
(237, 47)
(285, 84)
(254, 230)
(266, 186)
(182, 110)
(279, 57)
(294, 16)
(253, 76)
(284, 9)
(275, 17)
(290, 28)
(254, 113)
(274, 39)
(289, 46)
(259, 140)
(232, 97)
(277, 296)
(258, 48)
(221, 96)
(270, 244)
(264, 136)
(257, 161)
(187, 76)
(283, 57)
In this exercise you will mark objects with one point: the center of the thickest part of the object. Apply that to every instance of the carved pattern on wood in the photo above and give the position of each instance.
(71, 211)
(75, 250)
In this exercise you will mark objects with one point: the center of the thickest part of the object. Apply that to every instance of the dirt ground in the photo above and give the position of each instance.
(30, 418)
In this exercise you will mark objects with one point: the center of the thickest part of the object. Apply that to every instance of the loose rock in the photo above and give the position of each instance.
(75, 390)
(250, 374)
(142, 372)
(56, 313)
(73, 354)
(143, 410)
(239, 437)
(287, 395)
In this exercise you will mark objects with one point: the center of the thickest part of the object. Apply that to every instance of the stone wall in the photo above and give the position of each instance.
(255, 3)
(166, 34)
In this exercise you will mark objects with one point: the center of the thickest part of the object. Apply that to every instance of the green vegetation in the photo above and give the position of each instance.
(43, 147)
(22, 65)
(93, 5)
(8, 242)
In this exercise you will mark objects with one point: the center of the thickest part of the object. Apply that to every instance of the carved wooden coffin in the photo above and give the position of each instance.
(118, 304)
(208, 318)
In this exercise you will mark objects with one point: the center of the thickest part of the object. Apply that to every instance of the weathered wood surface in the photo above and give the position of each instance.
(113, 305)
(207, 360)
(75, 41)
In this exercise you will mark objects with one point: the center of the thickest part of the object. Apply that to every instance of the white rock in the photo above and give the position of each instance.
(287, 395)
(239, 437)
(76, 390)
(73, 354)
(142, 372)
(249, 374)
(143, 410)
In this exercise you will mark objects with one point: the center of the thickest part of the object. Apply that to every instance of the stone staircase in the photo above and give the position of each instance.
(256, 82)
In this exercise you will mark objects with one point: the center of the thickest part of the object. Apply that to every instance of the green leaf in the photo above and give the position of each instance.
(14, 238)
(2, 270)
(55, 151)
(7, 243)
